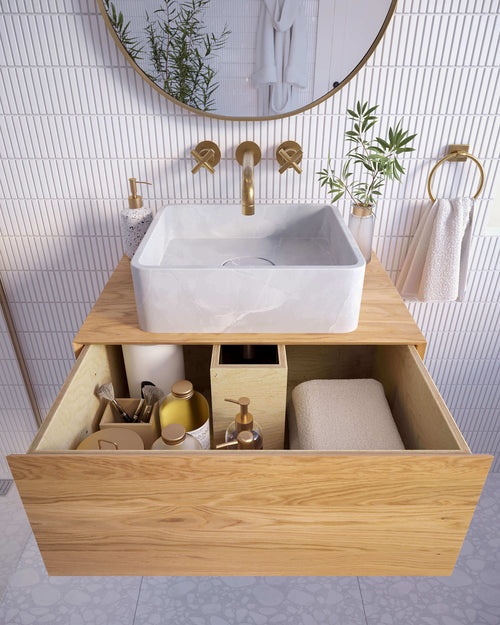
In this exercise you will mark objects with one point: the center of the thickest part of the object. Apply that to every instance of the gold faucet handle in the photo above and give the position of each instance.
(207, 155)
(289, 154)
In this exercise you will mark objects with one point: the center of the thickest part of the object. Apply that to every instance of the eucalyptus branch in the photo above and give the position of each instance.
(377, 159)
(179, 49)
(345, 187)
(131, 44)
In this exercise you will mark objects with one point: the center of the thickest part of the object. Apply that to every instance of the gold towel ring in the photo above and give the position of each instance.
(454, 155)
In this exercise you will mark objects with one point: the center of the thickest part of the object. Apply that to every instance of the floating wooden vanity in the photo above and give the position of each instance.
(254, 513)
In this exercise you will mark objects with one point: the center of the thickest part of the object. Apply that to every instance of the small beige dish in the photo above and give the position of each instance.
(117, 439)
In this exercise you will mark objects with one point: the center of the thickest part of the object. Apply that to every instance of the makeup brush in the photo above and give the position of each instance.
(151, 394)
(107, 392)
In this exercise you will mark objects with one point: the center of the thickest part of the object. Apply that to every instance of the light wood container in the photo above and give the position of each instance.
(111, 420)
(264, 384)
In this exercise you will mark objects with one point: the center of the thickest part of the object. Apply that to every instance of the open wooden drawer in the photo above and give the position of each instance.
(254, 513)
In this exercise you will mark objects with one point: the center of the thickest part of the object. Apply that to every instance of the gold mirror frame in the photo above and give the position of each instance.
(330, 93)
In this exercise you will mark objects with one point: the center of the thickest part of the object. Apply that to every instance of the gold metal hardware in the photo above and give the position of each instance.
(243, 403)
(361, 211)
(230, 445)
(103, 440)
(248, 155)
(245, 440)
(456, 155)
(289, 154)
(460, 149)
(207, 155)
(135, 200)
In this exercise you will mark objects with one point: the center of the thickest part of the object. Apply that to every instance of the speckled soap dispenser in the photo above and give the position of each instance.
(134, 220)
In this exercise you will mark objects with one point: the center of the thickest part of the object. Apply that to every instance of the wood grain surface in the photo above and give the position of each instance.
(249, 513)
(420, 413)
(384, 319)
(77, 409)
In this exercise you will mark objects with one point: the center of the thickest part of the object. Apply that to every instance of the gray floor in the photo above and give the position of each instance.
(471, 596)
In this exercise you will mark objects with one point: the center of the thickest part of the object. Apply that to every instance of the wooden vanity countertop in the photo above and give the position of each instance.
(383, 320)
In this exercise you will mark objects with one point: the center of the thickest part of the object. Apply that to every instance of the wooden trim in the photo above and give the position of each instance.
(77, 348)
(421, 349)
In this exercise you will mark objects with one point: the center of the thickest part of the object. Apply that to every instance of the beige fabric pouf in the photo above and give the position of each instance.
(341, 415)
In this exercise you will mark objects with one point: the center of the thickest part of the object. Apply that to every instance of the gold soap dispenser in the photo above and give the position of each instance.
(244, 421)
(134, 220)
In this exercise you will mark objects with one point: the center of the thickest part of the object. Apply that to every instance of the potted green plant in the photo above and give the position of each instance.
(375, 161)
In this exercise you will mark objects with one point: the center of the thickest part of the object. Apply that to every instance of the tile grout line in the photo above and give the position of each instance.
(362, 601)
(137, 602)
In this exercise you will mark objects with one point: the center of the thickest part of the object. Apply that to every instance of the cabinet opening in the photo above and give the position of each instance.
(248, 355)
(420, 414)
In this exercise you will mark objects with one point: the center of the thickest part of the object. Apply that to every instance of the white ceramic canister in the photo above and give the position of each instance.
(161, 364)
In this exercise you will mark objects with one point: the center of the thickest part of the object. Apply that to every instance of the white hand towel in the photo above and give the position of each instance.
(436, 265)
(280, 55)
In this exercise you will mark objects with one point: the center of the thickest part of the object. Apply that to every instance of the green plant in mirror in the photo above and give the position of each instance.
(180, 51)
(130, 43)
(374, 159)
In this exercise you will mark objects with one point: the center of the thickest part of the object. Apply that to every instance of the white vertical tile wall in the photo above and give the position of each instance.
(17, 423)
(77, 121)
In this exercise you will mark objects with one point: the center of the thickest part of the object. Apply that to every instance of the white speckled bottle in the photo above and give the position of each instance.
(134, 220)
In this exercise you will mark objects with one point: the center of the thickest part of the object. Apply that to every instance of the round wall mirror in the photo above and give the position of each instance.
(249, 59)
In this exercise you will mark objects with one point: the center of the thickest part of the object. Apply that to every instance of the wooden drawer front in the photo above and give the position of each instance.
(268, 514)
(255, 513)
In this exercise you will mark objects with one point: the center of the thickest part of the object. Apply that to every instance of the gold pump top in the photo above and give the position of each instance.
(246, 440)
(135, 200)
(243, 417)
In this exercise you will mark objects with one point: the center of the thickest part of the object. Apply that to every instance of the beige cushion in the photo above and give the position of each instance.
(341, 415)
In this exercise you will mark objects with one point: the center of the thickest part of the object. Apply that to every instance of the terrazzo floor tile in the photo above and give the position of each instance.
(33, 597)
(250, 601)
(14, 533)
(470, 596)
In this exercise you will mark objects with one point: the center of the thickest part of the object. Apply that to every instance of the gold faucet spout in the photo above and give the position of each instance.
(247, 185)
(248, 155)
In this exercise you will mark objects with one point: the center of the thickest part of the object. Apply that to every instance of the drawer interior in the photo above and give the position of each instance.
(420, 413)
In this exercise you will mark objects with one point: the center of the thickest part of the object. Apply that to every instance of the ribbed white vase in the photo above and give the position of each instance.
(361, 222)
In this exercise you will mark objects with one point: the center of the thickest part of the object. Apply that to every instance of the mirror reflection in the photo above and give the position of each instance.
(253, 58)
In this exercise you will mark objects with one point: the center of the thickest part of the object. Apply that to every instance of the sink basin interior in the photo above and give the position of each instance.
(210, 236)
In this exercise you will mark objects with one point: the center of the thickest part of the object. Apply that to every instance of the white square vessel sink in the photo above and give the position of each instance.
(208, 268)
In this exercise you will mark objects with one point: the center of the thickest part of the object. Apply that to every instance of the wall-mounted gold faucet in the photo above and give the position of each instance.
(248, 154)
